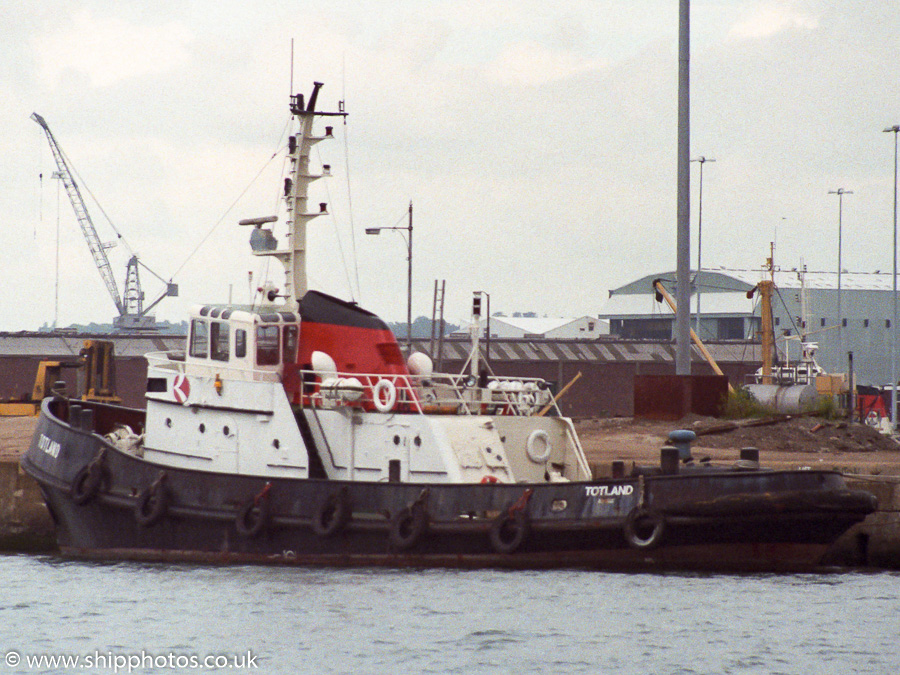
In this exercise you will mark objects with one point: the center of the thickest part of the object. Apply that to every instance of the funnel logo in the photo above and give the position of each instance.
(181, 389)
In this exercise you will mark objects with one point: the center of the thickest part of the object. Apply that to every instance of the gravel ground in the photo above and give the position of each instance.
(791, 442)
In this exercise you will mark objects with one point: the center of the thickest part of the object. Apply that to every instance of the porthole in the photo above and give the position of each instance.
(418, 441)
(276, 444)
(226, 430)
(396, 440)
(169, 422)
(202, 428)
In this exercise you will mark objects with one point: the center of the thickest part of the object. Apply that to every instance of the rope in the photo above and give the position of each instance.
(350, 209)
(337, 234)
(224, 215)
(87, 189)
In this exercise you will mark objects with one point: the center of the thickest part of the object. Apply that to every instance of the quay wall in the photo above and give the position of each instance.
(875, 542)
(25, 523)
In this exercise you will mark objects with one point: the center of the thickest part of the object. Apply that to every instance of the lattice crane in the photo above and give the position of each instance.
(130, 304)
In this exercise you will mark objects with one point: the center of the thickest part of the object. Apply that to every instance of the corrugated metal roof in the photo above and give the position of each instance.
(606, 351)
(731, 280)
(784, 279)
(56, 345)
(533, 324)
(644, 304)
(528, 351)
(512, 350)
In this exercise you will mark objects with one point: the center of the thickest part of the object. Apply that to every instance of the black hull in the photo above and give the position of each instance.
(715, 520)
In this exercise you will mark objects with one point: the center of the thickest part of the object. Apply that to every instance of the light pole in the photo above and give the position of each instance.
(409, 247)
(58, 175)
(840, 192)
(683, 211)
(702, 160)
(894, 129)
(487, 349)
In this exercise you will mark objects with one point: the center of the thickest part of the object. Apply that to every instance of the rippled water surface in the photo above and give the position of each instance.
(295, 620)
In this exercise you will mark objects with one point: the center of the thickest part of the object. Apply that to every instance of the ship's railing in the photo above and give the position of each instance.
(787, 375)
(435, 394)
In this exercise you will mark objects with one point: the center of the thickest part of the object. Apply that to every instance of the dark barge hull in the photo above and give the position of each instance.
(709, 520)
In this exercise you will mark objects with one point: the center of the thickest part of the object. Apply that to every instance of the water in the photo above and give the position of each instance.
(296, 620)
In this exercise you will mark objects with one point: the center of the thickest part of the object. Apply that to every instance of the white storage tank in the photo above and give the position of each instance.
(787, 400)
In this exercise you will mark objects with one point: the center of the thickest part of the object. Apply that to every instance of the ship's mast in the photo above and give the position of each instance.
(296, 195)
(299, 214)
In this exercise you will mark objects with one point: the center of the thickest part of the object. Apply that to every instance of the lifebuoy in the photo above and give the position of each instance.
(509, 530)
(384, 395)
(332, 514)
(252, 517)
(408, 525)
(151, 505)
(644, 529)
(873, 419)
(538, 446)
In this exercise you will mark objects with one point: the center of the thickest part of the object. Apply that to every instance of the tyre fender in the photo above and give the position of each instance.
(408, 525)
(88, 481)
(644, 529)
(332, 514)
(152, 502)
(509, 531)
(151, 506)
(252, 517)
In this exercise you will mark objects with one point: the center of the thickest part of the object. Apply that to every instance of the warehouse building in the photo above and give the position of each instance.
(806, 305)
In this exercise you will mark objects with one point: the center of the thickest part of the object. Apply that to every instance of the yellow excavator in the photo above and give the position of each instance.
(96, 372)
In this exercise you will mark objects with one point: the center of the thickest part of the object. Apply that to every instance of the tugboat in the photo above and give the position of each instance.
(294, 431)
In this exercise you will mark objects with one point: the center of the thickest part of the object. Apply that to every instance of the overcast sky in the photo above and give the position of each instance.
(537, 142)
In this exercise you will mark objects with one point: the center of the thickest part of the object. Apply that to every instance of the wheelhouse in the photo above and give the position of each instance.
(241, 343)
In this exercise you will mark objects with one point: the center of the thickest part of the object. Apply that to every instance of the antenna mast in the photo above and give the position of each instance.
(296, 194)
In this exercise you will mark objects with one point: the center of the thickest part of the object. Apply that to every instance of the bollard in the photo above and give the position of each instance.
(74, 415)
(87, 420)
(682, 439)
(668, 460)
(750, 454)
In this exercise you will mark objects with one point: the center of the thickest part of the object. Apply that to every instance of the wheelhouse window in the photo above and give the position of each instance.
(289, 344)
(218, 340)
(267, 345)
(199, 347)
(240, 343)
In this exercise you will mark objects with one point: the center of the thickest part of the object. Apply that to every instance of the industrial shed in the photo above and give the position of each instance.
(20, 354)
(606, 387)
(608, 366)
(805, 303)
